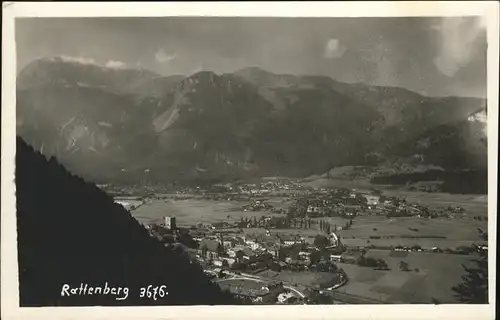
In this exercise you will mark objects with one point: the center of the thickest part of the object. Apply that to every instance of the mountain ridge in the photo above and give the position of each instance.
(233, 124)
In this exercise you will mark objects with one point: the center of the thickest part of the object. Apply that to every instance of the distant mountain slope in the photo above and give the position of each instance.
(59, 70)
(403, 117)
(89, 129)
(117, 123)
(70, 232)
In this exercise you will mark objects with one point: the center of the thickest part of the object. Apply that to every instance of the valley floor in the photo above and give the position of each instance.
(431, 275)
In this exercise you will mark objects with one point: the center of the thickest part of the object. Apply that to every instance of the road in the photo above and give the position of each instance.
(257, 279)
(339, 297)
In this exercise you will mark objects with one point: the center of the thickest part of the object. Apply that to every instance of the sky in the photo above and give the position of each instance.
(433, 56)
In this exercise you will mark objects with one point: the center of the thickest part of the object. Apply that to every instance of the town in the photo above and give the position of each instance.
(298, 247)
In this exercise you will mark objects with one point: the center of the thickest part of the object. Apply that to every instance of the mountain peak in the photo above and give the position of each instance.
(253, 69)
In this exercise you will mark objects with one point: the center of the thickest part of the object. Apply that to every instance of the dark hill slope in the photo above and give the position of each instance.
(70, 232)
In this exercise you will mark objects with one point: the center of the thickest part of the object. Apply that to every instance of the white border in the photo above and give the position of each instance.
(9, 284)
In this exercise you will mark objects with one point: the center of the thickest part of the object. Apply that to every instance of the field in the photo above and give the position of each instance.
(428, 233)
(246, 283)
(453, 229)
(473, 204)
(191, 212)
(437, 274)
(304, 278)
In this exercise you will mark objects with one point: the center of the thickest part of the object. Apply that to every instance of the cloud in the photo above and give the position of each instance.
(82, 60)
(114, 64)
(162, 57)
(457, 39)
(334, 49)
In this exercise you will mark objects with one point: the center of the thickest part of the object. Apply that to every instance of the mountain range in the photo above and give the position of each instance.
(132, 124)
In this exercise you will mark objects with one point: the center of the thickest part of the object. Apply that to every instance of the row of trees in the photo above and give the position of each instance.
(327, 227)
(276, 222)
(380, 264)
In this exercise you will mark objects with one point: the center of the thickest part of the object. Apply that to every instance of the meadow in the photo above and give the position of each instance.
(192, 211)
(302, 278)
(472, 203)
(436, 274)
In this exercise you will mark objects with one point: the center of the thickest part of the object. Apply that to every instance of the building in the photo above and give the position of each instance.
(209, 249)
(336, 258)
(305, 256)
(170, 223)
(247, 253)
(290, 240)
(223, 262)
(266, 295)
(252, 244)
(271, 248)
(284, 296)
(313, 209)
(334, 240)
(371, 200)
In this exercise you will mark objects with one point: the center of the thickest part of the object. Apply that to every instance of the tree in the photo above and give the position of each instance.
(403, 266)
(281, 254)
(204, 250)
(321, 241)
(186, 239)
(315, 257)
(474, 288)
(318, 298)
(382, 265)
(274, 266)
(48, 211)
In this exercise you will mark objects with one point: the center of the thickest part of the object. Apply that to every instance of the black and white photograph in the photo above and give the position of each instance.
(191, 160)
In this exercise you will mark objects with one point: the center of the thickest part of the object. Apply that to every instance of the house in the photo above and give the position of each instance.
(284, 296)
(229, 243)
(336, 258)
(209, 249)
(371, 200)
(306, 256)
(334, 239)
(217, 263)
(254, 245)
(247, 253)
(299, 264)
(269, 239)
(290, 240)
(270, 248)
(267, 295)
(232, 251)
(222, 262)
(239, 241)
(313, 209)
